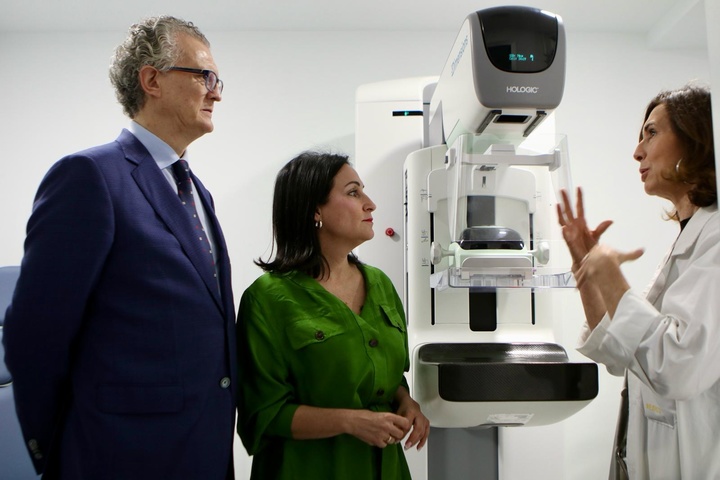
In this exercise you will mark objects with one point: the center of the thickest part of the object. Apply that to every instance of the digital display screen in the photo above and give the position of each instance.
(520, 57)
(407, 113)
(519, 39)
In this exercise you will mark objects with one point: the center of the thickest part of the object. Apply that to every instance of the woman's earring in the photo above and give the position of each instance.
(677, 166)
(318, 224)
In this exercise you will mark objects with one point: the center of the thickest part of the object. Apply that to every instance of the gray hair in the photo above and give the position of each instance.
(152, 41)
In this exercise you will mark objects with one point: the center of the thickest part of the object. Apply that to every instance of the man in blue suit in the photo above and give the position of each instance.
(120, 335)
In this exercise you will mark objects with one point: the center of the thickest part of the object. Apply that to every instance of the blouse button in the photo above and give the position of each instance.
(319, 335)
(373, 343)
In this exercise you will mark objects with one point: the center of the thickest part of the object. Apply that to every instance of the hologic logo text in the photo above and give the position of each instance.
(516, 89)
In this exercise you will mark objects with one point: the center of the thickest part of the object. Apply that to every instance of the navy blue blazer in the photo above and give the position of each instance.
(120, 346)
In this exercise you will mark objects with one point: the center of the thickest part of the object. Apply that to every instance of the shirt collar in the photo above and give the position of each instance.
(308, 282)
(161, 152)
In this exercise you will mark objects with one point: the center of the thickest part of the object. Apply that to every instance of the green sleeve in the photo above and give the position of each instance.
(265, 406)
(392, 297)
(401, 310)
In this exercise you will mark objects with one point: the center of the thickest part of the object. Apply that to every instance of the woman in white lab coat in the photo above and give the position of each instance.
(666, 341)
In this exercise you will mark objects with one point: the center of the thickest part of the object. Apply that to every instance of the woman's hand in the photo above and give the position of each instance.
(602, 266)
(378, 429)
(600, 269)
(420, 425)
(419, 422)
(578, 237)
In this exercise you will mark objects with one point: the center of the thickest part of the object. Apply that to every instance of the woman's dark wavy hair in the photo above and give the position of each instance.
(690, 116)
(301, 186)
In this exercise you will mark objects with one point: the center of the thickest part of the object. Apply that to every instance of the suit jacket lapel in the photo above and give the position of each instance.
(166, 203)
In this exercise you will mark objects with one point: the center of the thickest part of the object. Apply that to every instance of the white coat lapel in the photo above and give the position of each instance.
(683, 243)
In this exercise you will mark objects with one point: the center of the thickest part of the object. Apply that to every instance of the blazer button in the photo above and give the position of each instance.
(373, 343)
(319, 335)
(225, 382)
(35, 449)
(380, 392)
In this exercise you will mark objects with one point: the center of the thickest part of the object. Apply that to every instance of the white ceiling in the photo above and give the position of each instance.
(666, 23)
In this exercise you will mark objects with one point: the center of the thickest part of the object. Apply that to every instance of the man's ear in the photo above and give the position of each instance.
(149, 80)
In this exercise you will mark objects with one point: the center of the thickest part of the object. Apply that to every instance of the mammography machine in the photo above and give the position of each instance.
(465, 168)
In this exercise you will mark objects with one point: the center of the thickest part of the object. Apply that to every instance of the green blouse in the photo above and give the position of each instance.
(301, 345)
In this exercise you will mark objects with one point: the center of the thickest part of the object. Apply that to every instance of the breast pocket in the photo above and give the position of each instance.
(312, 331)
(393, 317)
(324, 355)
(658, 409)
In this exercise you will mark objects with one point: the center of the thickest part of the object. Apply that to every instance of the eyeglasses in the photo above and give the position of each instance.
(211, 79)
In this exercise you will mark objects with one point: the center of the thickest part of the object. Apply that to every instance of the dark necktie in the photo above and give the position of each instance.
(187, 196)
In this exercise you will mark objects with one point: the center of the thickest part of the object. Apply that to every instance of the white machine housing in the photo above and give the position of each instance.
(483, 354)
(504, 75)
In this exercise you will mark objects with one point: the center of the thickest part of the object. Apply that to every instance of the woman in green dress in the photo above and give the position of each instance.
(323, 341)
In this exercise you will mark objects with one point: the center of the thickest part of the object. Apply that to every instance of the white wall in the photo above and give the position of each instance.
(288, 91)
(712, 11)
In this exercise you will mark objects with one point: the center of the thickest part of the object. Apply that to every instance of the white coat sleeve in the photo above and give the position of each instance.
(673, 348)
